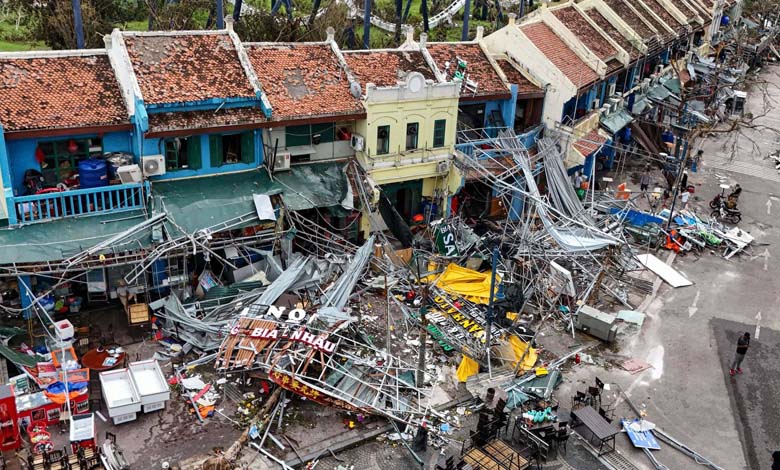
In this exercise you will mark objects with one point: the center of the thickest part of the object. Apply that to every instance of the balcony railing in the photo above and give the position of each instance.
(78, 202)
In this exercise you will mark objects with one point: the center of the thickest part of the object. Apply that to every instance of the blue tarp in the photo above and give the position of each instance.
(636, 218)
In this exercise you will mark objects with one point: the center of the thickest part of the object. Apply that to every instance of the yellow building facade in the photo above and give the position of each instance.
(407, 145)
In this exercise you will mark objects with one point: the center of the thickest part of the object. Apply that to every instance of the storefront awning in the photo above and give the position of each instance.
(61, 239)
(615, 122)
(585, 146)
(197, 204)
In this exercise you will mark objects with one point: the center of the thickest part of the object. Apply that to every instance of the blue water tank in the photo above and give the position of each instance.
(93, 173)
(724, 20)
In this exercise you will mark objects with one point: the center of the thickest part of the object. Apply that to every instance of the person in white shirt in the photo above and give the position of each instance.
(684, 198)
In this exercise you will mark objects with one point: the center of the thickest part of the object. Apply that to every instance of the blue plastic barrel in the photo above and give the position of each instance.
(93, 173)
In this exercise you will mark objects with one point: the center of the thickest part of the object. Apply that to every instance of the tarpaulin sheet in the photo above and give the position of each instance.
(61, 239)
(201, 203)
(472, 285)
(518, 348)
(636, 218)
(467, 368)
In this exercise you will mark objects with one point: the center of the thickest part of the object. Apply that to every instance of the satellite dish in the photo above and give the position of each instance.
(415, 82)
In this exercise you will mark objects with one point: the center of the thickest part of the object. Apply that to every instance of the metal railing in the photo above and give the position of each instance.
(78, 202)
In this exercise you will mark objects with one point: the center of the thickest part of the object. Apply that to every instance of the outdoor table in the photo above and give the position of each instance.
(98, 360)
(598, 427)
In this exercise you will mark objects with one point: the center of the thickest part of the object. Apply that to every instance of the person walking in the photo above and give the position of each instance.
(743, 343)
(684, 198)
(644, 181)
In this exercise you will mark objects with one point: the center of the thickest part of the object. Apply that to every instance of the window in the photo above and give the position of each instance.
(309, 134)
(383, 140)
(182, 153)
(232, 148)
(61, 158)
(439, 128)
(412, 130)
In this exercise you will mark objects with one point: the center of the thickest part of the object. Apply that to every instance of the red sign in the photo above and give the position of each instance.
(299, 388)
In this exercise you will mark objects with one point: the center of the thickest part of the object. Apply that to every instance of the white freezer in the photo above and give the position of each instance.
(119, 393)
(151, 384)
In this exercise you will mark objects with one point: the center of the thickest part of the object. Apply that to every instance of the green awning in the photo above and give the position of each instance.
(61, 239)
(18, 358)
(196, 204)
(616, 121)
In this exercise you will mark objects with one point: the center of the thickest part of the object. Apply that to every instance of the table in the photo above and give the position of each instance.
(598, 427)
(95, 359)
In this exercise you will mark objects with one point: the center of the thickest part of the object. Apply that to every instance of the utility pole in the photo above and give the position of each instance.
(424, 329)
(490, 312)
(681, 130)
(78, 24)
(220, 14)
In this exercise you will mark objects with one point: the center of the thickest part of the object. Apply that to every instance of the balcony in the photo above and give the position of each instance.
(76, 203)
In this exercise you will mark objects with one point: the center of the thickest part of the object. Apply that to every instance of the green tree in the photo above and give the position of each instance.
(55, 25)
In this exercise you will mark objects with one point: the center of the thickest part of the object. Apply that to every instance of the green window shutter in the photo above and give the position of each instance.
(325, 130)
(194, 156)
(215, 148)
(297, 135)
(439, 130)
(248, 147)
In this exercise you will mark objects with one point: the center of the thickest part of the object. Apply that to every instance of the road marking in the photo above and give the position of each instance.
(693, 308)
(758, 325)
(769, 206)
(766, 255)
(744, 168)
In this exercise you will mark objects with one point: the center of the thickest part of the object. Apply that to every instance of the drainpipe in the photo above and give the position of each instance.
(78, 23)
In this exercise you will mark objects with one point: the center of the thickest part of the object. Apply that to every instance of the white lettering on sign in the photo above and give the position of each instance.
(300, 336)
(293, 316)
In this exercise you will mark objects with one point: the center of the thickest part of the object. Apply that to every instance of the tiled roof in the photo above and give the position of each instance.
(612, 32)
(590, 142)
(686, 10)
(479, 69)
(383, 68)
(559, 54)
(302, 80)
(524, 86)
(194, 120)
(59, 93)
(586, 33)
(613, 65)
(658, 25)
(175, 68)
(704, 12)
(631, 18)
(660, 10)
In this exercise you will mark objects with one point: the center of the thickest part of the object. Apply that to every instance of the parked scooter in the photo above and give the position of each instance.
(724, 214)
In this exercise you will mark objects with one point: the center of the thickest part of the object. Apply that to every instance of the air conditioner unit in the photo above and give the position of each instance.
(659, 68)
(357, 142)
(612, 88)
(129, 174)
(153, 165)
(282, 162)
(442, 167)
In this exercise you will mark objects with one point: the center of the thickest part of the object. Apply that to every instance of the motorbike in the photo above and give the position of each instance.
(715, 203)
(724, 214)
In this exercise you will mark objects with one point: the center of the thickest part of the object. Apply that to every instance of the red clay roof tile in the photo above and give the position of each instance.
(585, 32)
(479, 69)
(524, 86)
(175, 68)
(384, 68)
(590, 142)
(559, 54)
(612, 32)
(633, 19)
(302, 80)
(59, 93)
(659, 9)
(645, 11)
(195, 120)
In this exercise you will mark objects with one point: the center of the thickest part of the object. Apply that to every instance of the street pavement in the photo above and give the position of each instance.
(690, 333)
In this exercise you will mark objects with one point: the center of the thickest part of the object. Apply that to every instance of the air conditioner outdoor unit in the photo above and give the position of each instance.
(282, 162)
(129, 174)
(357, 142)
(612, 88)
(442, 167)
(153, 165)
